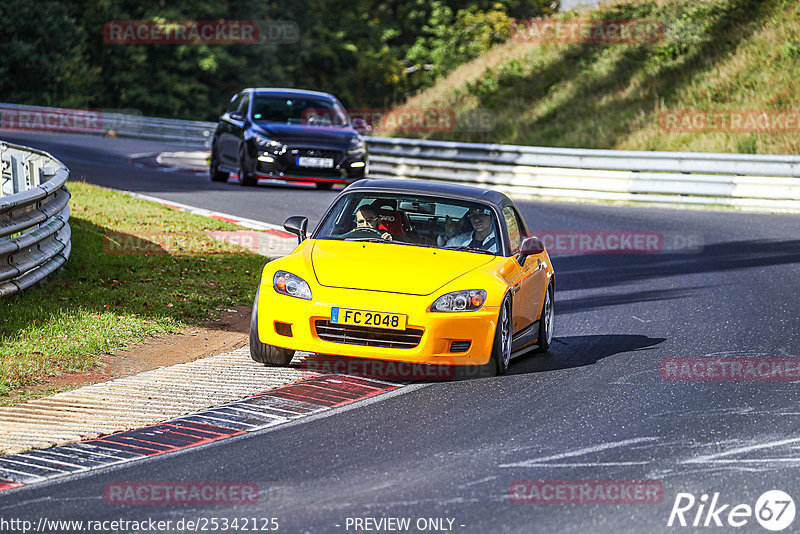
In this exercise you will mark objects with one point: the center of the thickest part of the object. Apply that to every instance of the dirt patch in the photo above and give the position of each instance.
(229, 332)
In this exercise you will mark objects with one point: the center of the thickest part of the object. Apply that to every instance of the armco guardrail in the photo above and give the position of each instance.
(34, 214)
(672, 178)
(741, 180)
(105, 122)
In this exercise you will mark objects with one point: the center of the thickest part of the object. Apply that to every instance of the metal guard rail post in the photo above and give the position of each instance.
(34, 215)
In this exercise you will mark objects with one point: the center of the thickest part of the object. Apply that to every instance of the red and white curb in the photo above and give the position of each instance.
(260, 411)
(139, 400)
(273, 229)
(269, 240)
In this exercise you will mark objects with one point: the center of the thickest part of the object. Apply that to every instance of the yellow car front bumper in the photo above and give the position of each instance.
(462, 338)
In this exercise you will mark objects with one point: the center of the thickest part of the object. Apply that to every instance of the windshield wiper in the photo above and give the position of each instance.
(471, 249)
(415, 244)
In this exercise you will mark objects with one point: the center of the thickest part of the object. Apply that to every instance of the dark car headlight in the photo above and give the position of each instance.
(291, 284)
(357, 146)
(458, 301)
(265, 142)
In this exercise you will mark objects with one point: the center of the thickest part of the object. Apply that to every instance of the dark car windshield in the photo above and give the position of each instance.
(413, 220)
(290, 109)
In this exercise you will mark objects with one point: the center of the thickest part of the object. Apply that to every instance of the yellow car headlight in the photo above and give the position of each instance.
(291, 284)
(459, 301)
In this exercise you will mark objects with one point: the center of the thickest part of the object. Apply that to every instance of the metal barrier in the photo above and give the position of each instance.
(740, 180)
(34, 213)
(669, 178)
(105, 122)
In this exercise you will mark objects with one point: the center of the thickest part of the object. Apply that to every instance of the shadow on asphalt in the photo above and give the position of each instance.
(567, 352)
(590, 271)
(592, 302)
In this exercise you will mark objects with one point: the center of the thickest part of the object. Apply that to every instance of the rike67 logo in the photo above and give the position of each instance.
(774, 510)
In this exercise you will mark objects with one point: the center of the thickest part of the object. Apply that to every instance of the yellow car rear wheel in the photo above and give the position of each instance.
(546, 320)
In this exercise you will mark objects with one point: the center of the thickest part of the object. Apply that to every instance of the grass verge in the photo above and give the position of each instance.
(714, 56)
(136, 270)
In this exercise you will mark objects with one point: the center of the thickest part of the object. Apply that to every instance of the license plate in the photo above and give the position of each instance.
(305, 161)
(392, 321)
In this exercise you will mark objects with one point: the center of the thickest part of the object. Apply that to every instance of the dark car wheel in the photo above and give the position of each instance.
(261, 352)
(546, 320)
(216, 174)
(245, 178)
(325, 186)
(501, 349)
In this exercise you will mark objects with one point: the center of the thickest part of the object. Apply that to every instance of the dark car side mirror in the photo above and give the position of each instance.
(298, 225)
(236, 115)
(361, 126)
(529, 247)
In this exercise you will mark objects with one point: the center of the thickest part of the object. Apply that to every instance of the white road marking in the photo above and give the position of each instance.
(715, 458)
(536, 462)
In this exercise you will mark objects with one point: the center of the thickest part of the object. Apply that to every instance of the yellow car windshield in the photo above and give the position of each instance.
(413, 220)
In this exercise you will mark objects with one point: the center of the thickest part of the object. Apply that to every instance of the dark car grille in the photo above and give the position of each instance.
(295, 153)
(316, 153)
(266, 168)
(285, 163)
(368, 336)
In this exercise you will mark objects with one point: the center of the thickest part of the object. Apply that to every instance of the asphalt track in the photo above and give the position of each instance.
(595, 408)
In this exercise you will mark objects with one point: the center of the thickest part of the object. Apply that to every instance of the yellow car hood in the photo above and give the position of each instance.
(390, 267)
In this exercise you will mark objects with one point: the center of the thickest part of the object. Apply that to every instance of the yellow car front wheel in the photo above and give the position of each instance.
(501, 349)
(261, 352)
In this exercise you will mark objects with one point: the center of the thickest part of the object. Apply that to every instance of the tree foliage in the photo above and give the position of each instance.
(369, 53)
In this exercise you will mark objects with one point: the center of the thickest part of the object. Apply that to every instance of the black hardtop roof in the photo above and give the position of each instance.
(463, 192)
(288, 91)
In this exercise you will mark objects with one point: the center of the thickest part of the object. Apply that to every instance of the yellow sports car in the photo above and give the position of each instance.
(408, 271)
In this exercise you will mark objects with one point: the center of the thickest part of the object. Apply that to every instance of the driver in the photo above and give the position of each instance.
(482, 235)
(367, 217)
